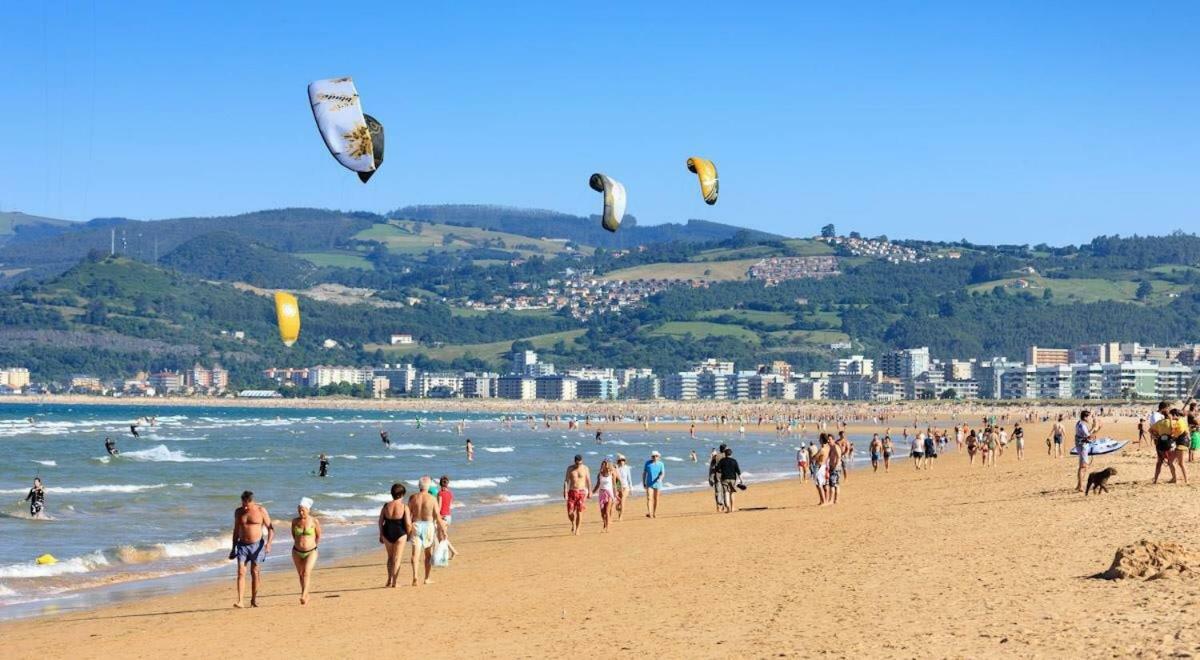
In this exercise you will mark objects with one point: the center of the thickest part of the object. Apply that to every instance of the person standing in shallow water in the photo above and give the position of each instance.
(37, 499)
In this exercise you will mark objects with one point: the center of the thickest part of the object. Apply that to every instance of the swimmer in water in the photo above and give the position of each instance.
(599, 437)
(470, 450)
(110, 446)
(133, 429)
(323, 466)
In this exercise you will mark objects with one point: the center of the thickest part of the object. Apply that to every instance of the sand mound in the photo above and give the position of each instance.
(1150, 560)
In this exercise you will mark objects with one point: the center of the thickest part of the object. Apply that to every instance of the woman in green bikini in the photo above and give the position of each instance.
(306, 536)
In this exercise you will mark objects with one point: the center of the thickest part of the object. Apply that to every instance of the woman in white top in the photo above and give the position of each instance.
(606, 487)
(624, 482)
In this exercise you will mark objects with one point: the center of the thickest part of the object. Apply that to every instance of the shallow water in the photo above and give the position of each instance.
(157, 517)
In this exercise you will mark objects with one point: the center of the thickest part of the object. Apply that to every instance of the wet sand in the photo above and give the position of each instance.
(958, 561)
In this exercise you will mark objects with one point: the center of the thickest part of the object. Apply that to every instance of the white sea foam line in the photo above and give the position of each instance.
(487, 482)
(499, 450)
(109, 488)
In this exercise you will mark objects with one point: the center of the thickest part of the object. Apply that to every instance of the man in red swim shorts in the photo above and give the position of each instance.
(576, 491)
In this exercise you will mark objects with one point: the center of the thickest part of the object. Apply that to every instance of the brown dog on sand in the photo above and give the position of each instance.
(1099, 480)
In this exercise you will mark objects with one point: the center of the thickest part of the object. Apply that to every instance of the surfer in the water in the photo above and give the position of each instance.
(323, 468)
(37, 499)
(133, 430)
(383, 436)
(110, 446)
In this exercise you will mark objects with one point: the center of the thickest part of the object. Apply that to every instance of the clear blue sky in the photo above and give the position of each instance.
(1018, 122)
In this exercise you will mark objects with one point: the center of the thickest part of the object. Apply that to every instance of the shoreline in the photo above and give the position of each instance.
(956, 561)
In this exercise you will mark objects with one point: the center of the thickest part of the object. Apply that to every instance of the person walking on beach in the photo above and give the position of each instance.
(445, 498)
(624, 484)
(576, 491)
(654, 472)
(820, 469)
(425, 516)
(916, 449)
(1141, 433)
(731, 476)
(1085, 433)
(714, 478)
(306, 537)
(37, 500)
(1019, 439)
(802, 462)
(876, 450)
(887, 452)
(394, 527)
(249, 546)
(1059, 432)
(606, 489)
(836, 460)
(930, 449)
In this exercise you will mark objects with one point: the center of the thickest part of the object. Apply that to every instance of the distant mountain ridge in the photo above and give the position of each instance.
(541, 223)
(14, 224)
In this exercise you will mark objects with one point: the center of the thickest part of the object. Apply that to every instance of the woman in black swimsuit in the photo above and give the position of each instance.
(394, 524)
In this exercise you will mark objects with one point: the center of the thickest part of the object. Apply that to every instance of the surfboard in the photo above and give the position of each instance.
(1103, 446)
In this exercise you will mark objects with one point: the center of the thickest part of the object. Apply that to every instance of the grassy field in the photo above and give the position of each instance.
(494, 351)
(812, 337)
(806, 247)
(1084, 290)
(710, 271)
(777, 319)
(701, 329)
(401, 236)
(337, 259)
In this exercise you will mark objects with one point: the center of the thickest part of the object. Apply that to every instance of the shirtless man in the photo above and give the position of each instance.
(837, 460)
(249, 546)
(576, 491)
(425, 513)
(1059, 432)
(820, 469)
(876, 451)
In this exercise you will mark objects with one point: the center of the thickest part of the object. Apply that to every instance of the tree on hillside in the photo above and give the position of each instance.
(828, 231)
(1144, 290)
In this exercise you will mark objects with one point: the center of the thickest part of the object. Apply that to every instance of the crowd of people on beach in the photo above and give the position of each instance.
(422, 519)
(422, 522)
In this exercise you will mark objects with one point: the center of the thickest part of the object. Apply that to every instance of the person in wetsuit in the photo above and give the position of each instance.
(383, 436)
(110, 446)
(37, 499)
(133, 430)
(323, 466)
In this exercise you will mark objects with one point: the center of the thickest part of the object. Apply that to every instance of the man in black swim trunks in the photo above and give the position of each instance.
(110, 446)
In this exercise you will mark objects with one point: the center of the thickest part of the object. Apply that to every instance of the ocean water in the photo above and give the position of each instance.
(158, 516)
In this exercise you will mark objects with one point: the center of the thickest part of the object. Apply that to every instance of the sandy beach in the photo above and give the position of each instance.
(957, 561)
